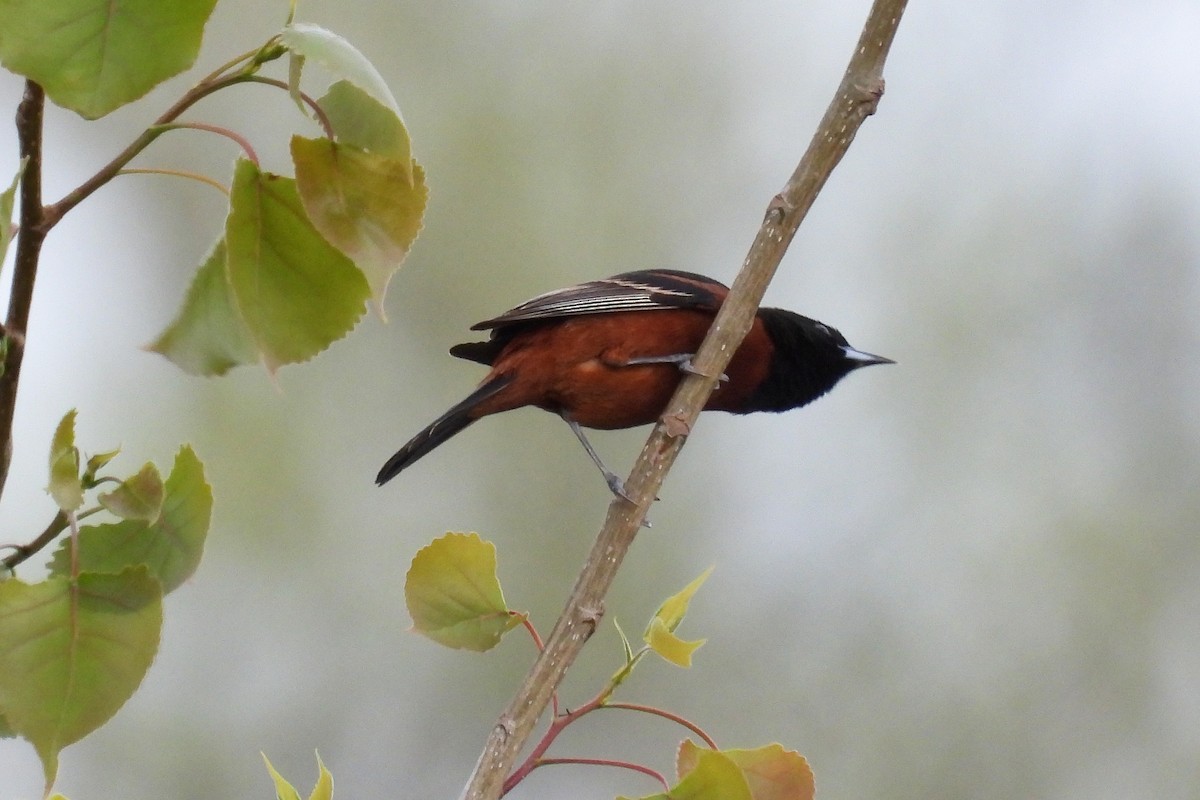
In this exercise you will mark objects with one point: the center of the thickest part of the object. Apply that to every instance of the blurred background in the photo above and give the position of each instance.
(975, 574)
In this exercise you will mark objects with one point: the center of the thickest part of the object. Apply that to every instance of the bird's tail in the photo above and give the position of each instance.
(441, 429)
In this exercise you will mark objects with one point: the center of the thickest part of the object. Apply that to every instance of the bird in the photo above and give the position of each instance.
(609, 353)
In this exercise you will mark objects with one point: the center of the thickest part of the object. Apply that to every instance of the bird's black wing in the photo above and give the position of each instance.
(645, 290)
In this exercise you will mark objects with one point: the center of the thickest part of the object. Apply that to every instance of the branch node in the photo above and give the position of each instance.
(590, 616)
(871, 92)
(676, 424)
(778, 209)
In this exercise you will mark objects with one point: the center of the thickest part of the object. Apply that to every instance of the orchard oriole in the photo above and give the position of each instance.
(607, 354)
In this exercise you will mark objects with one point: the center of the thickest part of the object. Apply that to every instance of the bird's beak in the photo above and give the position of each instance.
(862, 359)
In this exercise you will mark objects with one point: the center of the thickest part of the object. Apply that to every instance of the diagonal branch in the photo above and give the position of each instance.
(856, 99)
(30, 236)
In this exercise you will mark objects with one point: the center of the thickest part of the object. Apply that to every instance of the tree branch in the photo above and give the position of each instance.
(30, 236)
(856, 99)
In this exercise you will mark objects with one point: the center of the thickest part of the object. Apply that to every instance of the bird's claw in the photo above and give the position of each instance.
(617, 487)
(690, 368)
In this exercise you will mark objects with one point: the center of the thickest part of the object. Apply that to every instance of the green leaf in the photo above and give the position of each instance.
(631, 660)
(361, 120)
(285, 791)
(660, 633)
(453, 595)
(93, 56)
(72, 653)
(7, 197)
(171, 547)
(65, 486)
(713, 777)
(369, 206)
(208, 337)
(138, 497)
(97, 463)
(771, 772)
(625, 645)
(296, 292)
(314, 43)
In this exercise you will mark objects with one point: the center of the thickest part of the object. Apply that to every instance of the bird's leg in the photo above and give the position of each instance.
(681, 360)
(615, 484)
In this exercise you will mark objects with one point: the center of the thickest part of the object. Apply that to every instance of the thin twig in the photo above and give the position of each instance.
(21, 552)
(106, 173)
(856, 99)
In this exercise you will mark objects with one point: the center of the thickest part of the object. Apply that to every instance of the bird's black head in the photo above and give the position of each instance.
(809, 359)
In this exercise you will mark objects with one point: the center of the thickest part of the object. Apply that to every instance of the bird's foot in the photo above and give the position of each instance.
(683, 361)
(617, 487)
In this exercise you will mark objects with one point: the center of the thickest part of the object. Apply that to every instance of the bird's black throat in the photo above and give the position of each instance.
(808, 360)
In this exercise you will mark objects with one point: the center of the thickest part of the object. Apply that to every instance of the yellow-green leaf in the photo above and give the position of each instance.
(453, 595)
(208, 336)
(6, 209)
(138, 497)
(72, 652)
(324, 787)
(296, 292)
(673, 609)
(714, 776)
(367, 205)
(93, 56)
(171, 547)
(285, 791)
(359, 119)
(771, 772)
(97, 462)
(669, 646)
(65, 485)
(660, 632)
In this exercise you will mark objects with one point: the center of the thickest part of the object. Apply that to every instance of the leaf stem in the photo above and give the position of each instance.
(55, 211)
(178, 173)
(217, 129)
(318, 112)
(659, 712)
(557, 726)
(607, 762)
(21, 552)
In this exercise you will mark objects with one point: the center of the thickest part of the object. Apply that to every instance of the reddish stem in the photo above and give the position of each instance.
(537, 640)
(605, 762)
(556, 727)
(217, 129)
(659, 712)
